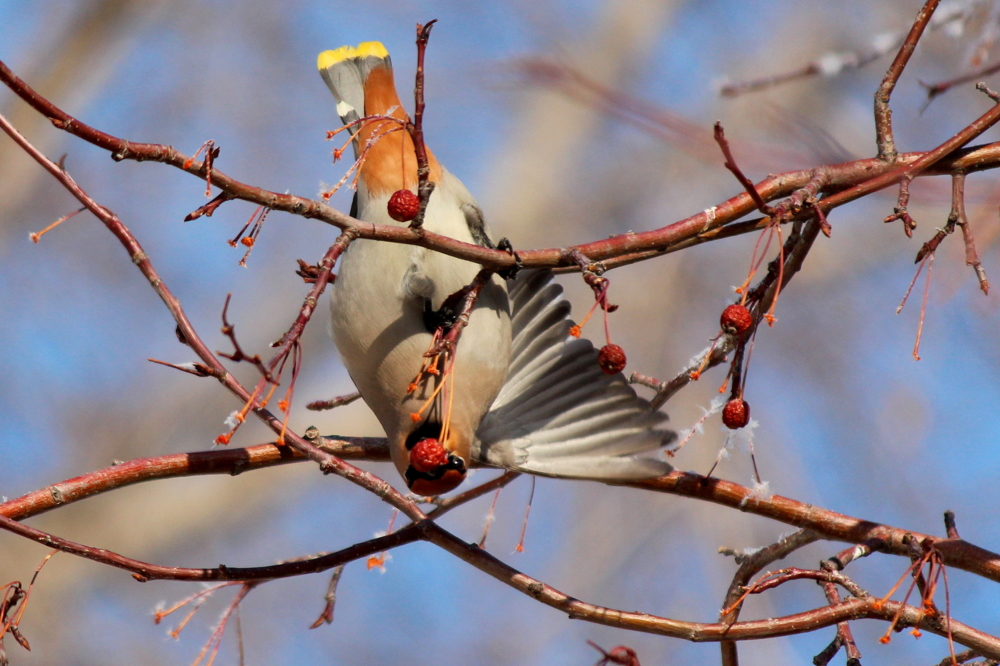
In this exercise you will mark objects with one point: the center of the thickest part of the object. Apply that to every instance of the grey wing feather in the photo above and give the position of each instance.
(558, 414)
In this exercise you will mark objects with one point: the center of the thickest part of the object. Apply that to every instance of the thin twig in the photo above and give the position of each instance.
(883, 114)
(446, 504)
(709, 358)
(935, 89)
(730, 163)
(196, 369)
(238, 355)
(844, 636)
(326, 617)
(993, 95)
(960, 657)
(210, 207)
(145, 571)
(949, 525)
(900, 211)
(416, 129)
(958, 207)
(333, 403)
(749, 567)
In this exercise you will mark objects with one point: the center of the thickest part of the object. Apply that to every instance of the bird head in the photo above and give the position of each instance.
(432, 465)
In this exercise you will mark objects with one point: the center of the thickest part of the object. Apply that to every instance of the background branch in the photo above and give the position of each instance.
(858, 178)
(602, 540)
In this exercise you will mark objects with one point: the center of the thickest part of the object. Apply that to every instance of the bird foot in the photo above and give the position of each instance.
(510, 273)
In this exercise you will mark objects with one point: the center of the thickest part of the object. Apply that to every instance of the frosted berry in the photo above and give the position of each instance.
(736, 414)
(611, 358)
(735, 319)
(403, 205)
(427, 455)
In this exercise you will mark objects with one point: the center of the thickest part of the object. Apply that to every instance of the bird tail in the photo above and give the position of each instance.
(558, 414)
(345, 71)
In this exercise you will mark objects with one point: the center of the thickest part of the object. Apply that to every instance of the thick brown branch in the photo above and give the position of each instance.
(217, 461)
(574, 608)
(852, 609)
(144, 571)
(829, 525)
(921, 165)
(862, 176)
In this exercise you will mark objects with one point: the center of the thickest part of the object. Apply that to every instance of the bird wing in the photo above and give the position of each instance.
(558, 414)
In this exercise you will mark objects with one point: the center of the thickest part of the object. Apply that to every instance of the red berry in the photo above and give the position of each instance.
(427, 455)
(611, 358)
(736, 414)
(735, 319)
(403, 205)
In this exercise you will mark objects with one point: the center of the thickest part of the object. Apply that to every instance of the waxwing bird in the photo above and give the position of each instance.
(516, 391)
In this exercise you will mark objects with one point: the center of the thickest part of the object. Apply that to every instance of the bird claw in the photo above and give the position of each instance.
(441, 320)
(510, 273)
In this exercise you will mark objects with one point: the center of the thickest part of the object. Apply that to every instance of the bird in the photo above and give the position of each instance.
(517, 391)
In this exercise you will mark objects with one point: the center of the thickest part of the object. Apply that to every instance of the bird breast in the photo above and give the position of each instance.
(378, 302)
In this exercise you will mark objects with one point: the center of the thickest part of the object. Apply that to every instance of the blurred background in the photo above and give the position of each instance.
(848, 420)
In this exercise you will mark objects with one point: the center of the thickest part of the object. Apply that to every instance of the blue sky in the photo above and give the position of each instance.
(848, 420)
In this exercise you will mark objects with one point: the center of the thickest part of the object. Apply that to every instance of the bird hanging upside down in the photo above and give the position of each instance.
(516, 391)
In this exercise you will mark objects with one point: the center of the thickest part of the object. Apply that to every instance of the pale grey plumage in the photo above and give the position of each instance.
(346, 82)
(551, 410)
(558, 414)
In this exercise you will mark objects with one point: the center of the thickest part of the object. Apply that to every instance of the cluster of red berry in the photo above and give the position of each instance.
(736, 320)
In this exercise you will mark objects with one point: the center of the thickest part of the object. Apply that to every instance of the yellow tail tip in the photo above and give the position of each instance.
(328, 59)
(371, 49)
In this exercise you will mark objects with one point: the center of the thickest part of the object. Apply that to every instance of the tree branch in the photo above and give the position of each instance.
(883, 114)
(859, 178)
(328, 463)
